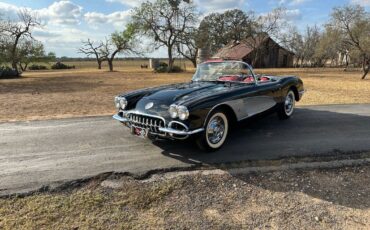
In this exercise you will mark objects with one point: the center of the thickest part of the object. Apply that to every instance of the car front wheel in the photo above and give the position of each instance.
(286, 109)
(216, 130)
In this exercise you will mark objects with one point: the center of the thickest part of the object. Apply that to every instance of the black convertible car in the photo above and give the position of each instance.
(221, 93)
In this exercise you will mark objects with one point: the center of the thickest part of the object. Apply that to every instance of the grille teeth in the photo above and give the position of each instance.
(147, 122)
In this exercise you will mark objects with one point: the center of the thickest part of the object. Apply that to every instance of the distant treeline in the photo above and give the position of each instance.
(76, 59)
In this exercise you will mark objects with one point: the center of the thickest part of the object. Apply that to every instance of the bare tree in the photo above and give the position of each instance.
(353, 22)
(293, 41)
(164, 22)
(89, 48)
(311, 41)
(263, 27)
(18, 30)
(187, 46)
(119, 42)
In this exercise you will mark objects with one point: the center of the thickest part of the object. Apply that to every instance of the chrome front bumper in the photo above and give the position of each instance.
(119, 118)
(167, 130)
(179, 132)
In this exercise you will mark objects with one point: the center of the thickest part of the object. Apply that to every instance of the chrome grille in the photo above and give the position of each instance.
(146, 122)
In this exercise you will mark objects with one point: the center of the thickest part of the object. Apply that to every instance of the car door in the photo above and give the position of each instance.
(253, 98)
(260, 97)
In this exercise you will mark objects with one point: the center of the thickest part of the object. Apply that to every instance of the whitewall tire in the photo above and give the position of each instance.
(216, 131)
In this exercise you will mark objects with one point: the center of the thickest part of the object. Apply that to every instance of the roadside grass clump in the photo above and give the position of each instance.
(37, 67)
(163, 68)
(60, 65)
(85, 208)
(296, 199)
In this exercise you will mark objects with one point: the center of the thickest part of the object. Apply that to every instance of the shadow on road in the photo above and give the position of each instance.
(309, 132)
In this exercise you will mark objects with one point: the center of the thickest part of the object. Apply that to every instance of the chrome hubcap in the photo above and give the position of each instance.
(289, 103)
(216, 130)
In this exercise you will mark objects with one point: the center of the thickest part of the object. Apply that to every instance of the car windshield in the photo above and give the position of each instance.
(224, 71)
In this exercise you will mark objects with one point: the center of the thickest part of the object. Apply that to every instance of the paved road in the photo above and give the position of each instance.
(33, 154)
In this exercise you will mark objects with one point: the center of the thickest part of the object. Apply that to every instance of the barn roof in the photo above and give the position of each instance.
(238, 50)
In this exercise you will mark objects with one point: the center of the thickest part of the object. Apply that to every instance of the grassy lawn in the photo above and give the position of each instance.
(296, 199)
(90, 92)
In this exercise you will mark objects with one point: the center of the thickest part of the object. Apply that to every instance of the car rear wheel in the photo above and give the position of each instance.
(216, 130)
(286, 109)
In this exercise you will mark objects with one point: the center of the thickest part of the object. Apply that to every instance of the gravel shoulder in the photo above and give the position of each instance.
(291, 199)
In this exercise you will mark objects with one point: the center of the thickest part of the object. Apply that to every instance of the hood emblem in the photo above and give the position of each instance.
(149, 105)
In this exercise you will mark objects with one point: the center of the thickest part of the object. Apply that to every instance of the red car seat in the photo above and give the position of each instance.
(229, 78)
(249, 79)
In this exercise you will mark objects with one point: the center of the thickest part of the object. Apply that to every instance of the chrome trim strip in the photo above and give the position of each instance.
(148, 115)
(170, 131)
(180, 123)
(181, 133)
(183, 125)
(119, 118)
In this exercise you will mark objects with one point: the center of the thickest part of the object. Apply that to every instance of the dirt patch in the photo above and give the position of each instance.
(89, 92)
(292, 199)
(72, 93)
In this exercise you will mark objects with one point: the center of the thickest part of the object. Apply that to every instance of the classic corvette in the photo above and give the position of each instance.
(220, 94)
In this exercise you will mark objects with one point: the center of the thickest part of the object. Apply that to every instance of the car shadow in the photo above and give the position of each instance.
(311, 132)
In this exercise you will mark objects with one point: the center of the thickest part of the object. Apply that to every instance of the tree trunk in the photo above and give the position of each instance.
(170, 59)
(194, 61)
(302, 60)
(99, 64)
(347, 62)
(22, 68)
(365, 67)
(110, 64)
(14, 53)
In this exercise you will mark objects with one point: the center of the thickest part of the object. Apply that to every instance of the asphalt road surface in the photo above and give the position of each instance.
(39, 153)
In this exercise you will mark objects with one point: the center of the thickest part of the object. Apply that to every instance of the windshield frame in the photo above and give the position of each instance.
(228, 61)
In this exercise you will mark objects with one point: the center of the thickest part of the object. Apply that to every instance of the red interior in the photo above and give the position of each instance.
(264, 79)
(229, 78)
(248, 79)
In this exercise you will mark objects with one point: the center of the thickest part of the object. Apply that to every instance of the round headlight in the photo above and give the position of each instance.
(122, 103)
(183, 112)
(116, 102)
(173, 111)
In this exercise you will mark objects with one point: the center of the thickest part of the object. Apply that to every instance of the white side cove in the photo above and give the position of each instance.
(251, 106)
(259, 104)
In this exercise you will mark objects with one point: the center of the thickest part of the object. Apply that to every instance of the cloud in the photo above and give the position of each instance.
(41, 33)
(62, 13)
(8, 11)
(131, 3)
(219, 5)
(291, 2)
(118, 19)
(293, 15)
(204, 5)
(361, 2)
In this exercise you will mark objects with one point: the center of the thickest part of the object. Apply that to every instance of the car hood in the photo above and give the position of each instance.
(178, 93)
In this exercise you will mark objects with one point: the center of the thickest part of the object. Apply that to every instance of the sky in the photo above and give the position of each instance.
(66, 23)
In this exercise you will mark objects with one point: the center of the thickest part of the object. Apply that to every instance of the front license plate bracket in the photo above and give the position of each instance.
(139, 132)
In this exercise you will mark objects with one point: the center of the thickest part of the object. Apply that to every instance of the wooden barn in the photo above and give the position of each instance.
(260, 52)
